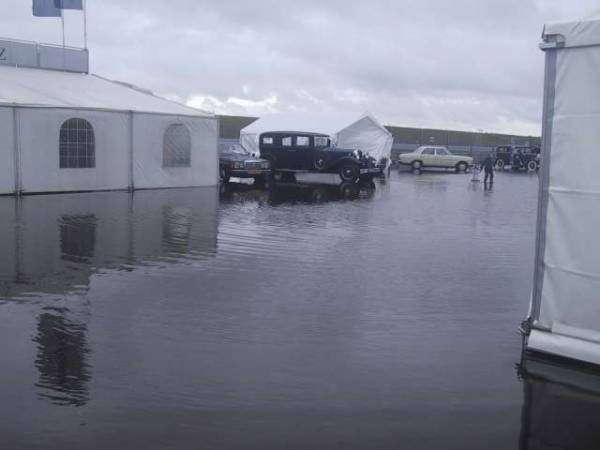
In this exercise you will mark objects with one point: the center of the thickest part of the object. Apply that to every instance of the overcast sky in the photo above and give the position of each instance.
(461, 64)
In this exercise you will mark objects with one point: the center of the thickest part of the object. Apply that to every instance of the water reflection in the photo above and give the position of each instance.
(62, 358)
(55, 245)
(561, 408)
(78, 237)
(294, 193)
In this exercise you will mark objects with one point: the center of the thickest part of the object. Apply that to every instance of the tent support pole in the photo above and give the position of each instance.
(16, 151)
(131, 186)
(547, 119)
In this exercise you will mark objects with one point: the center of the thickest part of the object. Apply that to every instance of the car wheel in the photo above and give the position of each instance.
(461, 167)
(416, 165)
(225, 176)
(500, 164)
(349, 172)
(532, 166)
(348, 190)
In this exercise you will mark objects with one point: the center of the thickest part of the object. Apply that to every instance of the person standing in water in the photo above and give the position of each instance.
(488, 167)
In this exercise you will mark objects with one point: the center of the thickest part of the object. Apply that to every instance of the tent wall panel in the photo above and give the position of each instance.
(39, 143)
(7, 152)
(148, 143)
(566, 308)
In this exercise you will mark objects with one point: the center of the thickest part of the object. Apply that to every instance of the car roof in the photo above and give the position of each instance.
(295, 133)
(431, 146)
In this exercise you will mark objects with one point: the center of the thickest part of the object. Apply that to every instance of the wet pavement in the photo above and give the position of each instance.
(297, 317)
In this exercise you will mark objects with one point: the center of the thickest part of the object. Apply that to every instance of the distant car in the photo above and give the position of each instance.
(313, 152)
(529, 157)
(438, 157)
(235, 161)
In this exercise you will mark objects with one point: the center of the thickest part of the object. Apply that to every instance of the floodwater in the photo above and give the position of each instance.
(307, 317)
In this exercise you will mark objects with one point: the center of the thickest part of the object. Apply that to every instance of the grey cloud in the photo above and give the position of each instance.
(466, 64)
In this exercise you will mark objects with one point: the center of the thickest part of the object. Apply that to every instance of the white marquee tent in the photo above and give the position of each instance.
(65, 131)
(362, 132)
(565, 309)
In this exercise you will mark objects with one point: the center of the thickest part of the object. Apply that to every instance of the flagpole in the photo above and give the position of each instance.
(84, 25)
(62, 20)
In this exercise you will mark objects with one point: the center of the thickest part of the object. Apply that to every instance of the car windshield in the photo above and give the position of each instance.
(234, 150)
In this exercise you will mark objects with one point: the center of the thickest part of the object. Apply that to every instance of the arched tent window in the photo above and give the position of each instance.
(77, 146)
(177, 146)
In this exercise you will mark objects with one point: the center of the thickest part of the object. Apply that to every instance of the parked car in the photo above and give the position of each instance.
(528, 157)
(313, 152)
(235, 161)
(439, 157)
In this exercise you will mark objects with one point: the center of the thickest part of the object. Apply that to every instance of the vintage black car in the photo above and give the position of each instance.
(517, 157)
(313, 152)
(235, 161)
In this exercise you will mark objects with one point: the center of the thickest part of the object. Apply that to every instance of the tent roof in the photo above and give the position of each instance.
(574, 34)
(51, 88)
(324, 123)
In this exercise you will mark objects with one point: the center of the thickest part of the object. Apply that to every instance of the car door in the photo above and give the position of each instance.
(304, 152)
(270, 149)
(287, 157)
(443, 158)
(428, 156)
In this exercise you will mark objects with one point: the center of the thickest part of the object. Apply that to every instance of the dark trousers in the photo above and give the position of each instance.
(489, 175)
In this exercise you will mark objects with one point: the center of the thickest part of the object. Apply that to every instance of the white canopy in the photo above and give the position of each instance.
(355, 131)
(52, 88)
(565, 312)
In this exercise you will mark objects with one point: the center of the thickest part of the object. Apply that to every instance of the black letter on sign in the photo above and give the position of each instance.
(2, 53)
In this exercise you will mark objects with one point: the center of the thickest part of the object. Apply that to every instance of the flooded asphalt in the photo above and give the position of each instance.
(306, 317)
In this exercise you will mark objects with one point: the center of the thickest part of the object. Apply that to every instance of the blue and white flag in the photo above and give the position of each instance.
(45, 8)
(69, 4)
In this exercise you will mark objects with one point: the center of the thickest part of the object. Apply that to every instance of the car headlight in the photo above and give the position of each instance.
(238, 165)
(264, 165)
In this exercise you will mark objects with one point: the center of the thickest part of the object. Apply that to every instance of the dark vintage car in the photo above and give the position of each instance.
(517, 157)
(312, 152)
(235, 161)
